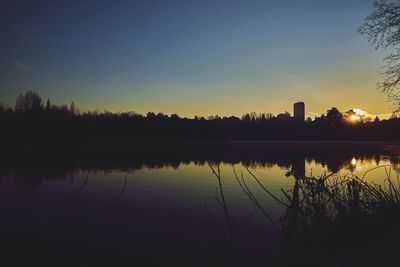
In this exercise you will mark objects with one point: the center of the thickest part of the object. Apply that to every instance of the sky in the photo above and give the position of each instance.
(191, 57)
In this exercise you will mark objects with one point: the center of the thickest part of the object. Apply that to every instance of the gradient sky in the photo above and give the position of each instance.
(191, 57)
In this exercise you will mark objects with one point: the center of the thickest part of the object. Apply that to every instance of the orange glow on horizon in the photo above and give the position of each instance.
(357, 115)
(355, 118)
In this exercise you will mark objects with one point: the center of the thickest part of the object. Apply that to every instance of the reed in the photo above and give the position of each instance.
(342, 220)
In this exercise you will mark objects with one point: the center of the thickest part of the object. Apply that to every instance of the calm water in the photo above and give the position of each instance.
(165, 212)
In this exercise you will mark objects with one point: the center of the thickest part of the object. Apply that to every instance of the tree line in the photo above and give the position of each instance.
(34, 123)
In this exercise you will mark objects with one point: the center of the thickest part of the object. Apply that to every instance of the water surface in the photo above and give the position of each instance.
(189, 211)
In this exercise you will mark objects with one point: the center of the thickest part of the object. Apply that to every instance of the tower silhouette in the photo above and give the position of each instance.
(299, 111)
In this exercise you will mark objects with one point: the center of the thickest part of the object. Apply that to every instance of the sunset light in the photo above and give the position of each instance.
(355, 118)
(200, 133)
(357, 115)
(360, 112)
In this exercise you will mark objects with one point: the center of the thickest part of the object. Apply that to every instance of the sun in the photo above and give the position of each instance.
(355, 118)
(357, 115)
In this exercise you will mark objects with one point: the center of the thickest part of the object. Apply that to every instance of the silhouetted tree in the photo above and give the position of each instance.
(174, 117)
(28, 101)
(348, 114)
(253, 116)
(72, 108)
(246, 117)
(334, 116)
(268, 116)
(150, 115)
(59, 126)
(320, 119)
(284, 116)
(216, 117)
(48, 105)
(382, 28)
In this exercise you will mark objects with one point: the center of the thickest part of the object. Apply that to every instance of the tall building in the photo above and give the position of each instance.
(299, 111)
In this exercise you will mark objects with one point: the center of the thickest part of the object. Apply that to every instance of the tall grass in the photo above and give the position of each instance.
(328, 220)
(342, 220)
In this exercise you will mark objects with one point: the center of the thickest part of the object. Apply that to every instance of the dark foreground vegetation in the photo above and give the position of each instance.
(33, 123)
(342, 221)
(330, 220)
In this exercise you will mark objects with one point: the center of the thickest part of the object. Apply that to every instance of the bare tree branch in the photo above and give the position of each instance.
(382, 28)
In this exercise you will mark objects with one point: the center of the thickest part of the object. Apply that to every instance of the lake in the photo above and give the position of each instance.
(170, 206)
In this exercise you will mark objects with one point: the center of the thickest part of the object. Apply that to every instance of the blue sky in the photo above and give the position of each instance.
(191, 57)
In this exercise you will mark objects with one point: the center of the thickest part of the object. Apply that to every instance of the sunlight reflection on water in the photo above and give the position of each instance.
(169, 208)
